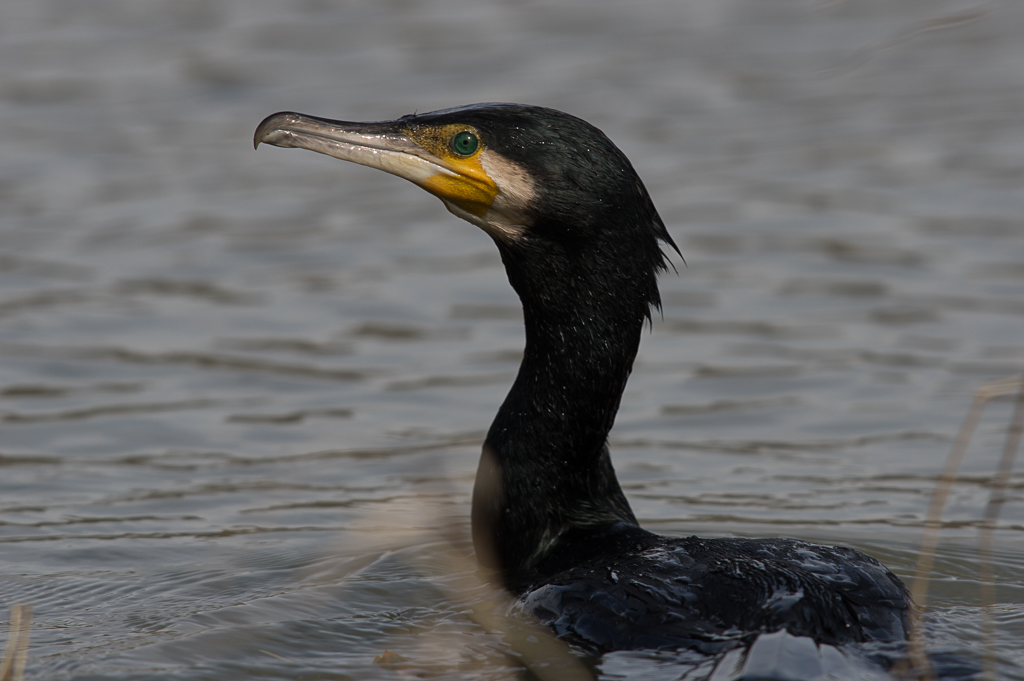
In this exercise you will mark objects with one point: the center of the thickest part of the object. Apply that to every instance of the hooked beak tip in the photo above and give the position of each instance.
(270, 124)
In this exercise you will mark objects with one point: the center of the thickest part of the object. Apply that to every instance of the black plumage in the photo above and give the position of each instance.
(581, 243)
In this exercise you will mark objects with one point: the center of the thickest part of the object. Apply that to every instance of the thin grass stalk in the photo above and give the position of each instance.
(986, 559)
(933, 523)
(16, 655)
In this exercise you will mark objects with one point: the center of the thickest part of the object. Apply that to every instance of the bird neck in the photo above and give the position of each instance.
(545, 472)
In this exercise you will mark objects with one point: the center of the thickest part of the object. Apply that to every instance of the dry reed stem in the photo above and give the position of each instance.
(16, 655)
(545, 655)
(532, 646)
(941, 23)
(985, 549)
(921, 667)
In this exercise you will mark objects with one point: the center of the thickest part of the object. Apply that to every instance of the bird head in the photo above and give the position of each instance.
(521, 173)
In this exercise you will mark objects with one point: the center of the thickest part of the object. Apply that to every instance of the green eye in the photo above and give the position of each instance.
(465, 143)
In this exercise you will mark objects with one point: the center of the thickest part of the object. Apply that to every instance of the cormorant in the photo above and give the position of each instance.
(581, 243)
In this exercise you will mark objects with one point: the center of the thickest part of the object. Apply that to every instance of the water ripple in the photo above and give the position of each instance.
(117, 410)
(197, 359)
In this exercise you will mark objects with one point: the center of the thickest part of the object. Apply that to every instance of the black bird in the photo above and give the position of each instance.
(581, 243)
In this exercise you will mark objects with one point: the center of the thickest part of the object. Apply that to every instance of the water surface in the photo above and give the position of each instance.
(242, 393)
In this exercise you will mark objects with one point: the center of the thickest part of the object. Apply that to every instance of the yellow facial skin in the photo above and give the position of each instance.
(471, 188)
(483, 187)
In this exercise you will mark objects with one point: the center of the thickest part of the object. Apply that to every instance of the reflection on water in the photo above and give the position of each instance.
(242, 395)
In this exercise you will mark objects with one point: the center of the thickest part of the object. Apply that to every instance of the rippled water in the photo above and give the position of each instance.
(242, 393)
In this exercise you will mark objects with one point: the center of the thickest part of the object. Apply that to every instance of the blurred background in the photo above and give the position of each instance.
(242, 393)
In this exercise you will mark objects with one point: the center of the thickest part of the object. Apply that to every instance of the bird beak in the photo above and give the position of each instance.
(385, 146)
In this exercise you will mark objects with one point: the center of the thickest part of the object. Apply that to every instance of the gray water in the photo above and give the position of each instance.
(242, 393)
